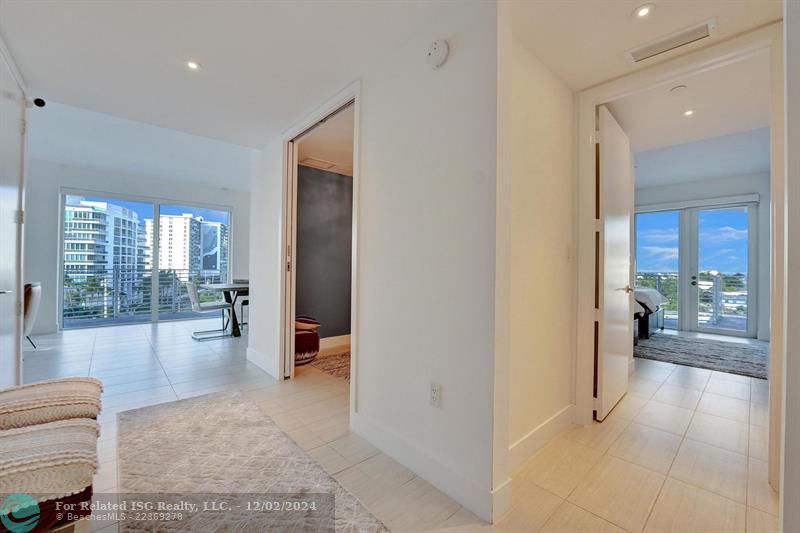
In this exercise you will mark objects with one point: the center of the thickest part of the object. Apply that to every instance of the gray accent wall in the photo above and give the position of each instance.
(324, 245)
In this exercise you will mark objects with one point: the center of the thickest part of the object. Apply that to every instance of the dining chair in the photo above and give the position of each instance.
(203, 307)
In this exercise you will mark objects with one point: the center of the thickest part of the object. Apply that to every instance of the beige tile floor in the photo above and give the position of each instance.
(684, 451)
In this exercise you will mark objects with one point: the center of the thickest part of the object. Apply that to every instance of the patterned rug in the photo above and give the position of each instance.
(218, 448)
(735, 358)
(336, 364)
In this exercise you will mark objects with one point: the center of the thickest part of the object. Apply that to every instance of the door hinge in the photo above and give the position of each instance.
(19, 216)
(596, 404)
(24, 126)
(288, 258)
(597, 137)
(288, 266)
(19, 308)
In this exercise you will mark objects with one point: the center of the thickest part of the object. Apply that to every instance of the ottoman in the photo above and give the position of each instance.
(50, 400)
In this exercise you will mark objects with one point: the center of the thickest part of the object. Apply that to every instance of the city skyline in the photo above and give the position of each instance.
(144, 210)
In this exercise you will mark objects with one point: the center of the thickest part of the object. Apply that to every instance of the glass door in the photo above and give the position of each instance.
(658, 259)
(722, 270)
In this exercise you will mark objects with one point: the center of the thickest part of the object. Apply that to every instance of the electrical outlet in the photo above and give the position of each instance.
(436, 394)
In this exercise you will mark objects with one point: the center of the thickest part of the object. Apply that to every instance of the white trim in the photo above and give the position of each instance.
(711, 202)
(501, 499)
(256, 357)
(522, 450)
(6, 55)
(765, 39)
(351, 93)
(451, 482)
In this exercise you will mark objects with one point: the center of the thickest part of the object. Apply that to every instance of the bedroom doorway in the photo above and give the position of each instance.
(319, 270)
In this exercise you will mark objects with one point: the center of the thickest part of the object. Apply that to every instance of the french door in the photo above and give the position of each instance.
(720, 280)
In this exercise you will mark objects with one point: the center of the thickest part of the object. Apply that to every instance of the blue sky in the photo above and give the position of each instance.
(723, 241)
(145, 210)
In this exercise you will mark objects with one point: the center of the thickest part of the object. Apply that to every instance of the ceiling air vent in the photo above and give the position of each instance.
(673, 41)
(317, 163)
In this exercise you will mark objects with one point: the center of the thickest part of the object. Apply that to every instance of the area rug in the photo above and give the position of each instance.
(225, 466)
(735, 358)
(337, 365)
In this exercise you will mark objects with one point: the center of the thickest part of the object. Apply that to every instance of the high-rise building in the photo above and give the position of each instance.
(105, 242)
(190, 245)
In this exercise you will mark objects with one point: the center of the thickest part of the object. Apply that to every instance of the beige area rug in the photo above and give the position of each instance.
(335, 364)
(220, 448)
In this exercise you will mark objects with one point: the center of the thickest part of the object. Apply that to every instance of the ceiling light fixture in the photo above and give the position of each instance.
(193, 65)
(688, 113)
(644, 10)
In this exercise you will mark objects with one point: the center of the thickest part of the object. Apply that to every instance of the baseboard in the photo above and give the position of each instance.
(501, 500)
(329, 343)
(475, 498)
(263, 362)
(521, 450)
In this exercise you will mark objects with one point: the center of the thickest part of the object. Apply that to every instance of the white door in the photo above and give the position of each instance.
(289, 277)
(12, 115)
(614, 299)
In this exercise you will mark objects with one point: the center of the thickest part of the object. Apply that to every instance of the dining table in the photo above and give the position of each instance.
(231, 292)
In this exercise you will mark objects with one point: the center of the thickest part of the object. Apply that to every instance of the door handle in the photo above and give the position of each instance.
(5, 292)
(627, 288)
(694, 283)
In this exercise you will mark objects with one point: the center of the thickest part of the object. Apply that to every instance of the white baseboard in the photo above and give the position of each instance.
(501, 500)
(521, 450)
(328, 343)
(465, 491)
(267, 364)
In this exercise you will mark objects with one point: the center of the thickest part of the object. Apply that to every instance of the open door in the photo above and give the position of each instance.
(615, 206)
(289, 275)
(12, 160)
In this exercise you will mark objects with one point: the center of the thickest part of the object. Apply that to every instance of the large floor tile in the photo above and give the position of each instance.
(665, 417)
(759, 442)
(720, 432)
(714, 469)
(688, 379)
(537, 505)
(682, 508)
(619, 492)
(760, 522)
(598, 435)
(678, 396)
(725, 406)
(628, 407)
(647, 447)
(569, 518)
(733, 389)
(560, 466)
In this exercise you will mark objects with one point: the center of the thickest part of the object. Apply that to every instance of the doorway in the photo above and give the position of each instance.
(319, 274)
(721, 300)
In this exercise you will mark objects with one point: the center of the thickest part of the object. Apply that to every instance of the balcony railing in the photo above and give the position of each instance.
(125, 295)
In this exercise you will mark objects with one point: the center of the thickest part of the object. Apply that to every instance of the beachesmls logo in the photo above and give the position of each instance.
(19, 512)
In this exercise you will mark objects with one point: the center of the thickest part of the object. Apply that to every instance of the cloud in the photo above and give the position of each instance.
(662, 236)
(724, 234)
(661, 253)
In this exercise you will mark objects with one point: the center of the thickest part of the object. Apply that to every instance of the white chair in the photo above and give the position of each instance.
(33, 297)
(198, 307)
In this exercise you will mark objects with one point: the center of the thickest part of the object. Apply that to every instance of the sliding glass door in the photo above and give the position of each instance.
(721, 262)
(120, 256)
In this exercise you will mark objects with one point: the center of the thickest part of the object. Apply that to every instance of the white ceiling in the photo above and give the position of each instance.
(725, 100)
(585, 43)
(264, 64)
(73, 136)
(721, 157)
(332, 142)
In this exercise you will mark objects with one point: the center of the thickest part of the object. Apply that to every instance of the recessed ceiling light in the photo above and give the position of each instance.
(193, 65)
(644, 10)
(688, 113)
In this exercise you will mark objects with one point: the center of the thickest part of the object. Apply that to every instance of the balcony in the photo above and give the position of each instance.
(123, 295)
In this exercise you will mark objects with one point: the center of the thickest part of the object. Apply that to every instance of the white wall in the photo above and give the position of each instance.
(426, 247)
(44, 183)
(717, 188)
(790, 489)
(542, 268)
